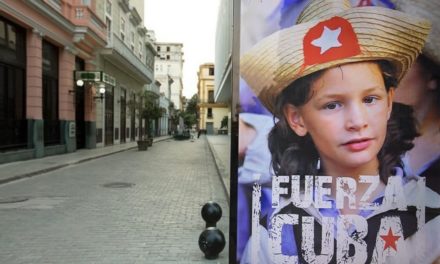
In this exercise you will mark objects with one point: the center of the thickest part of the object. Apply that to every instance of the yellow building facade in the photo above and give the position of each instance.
(211, 114)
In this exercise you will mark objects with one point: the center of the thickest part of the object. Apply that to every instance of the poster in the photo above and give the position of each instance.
(339, 132)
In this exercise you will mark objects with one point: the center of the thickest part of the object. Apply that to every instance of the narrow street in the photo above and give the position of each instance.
(129, 207)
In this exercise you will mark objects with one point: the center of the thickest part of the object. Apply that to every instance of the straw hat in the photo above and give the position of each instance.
(429, 9)
(330, 33)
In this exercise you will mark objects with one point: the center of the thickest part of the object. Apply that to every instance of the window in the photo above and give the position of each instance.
(211, 96)
(108, 7)
(12, 37)
(13, 124)
(140, 49)
(86, 2)
(79, 13)
(132, 40)
(3, 39)
(12, 42)
(168, 57)
(8, 36)
(168, 49)
(211, 71)
(158, 48)
(122, 29)
(209, 112)
(108, 24)
(50, 94)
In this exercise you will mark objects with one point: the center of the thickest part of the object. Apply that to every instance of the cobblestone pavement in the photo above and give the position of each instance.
(68, 216)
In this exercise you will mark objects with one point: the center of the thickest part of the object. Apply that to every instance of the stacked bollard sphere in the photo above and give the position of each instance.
(211, 240)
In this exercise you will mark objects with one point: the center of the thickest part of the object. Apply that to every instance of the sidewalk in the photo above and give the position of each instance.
(22, 169)
(73, 215)
(220, 146)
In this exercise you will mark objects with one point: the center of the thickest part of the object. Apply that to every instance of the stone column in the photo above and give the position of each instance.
(67, 99)
(34, 92)
(90, 111)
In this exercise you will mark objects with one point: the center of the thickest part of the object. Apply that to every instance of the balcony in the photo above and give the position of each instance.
(135, 18)
(78, 19)
(125, 5)
(121, 55)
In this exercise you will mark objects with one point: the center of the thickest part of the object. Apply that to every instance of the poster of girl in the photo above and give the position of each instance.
(339, 190)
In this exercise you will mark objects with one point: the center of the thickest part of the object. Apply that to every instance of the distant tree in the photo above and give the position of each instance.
(190, 114)
(224, 122)
(192, 104)
(189, 119)
(175, 114)
(151, 110)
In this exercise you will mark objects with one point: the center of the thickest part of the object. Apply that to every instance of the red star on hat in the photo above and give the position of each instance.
(390, 240)
(330, 40)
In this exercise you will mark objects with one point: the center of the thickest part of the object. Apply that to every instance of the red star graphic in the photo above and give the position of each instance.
(390, 240)
(348, 45)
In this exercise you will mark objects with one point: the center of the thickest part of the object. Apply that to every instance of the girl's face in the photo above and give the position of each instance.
(346, 117)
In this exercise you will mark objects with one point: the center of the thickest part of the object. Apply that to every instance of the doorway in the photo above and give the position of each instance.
(123, 114)
(80, 129)
(109, 126)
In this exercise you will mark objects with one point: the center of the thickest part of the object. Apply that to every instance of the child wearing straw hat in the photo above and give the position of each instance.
(329, 80)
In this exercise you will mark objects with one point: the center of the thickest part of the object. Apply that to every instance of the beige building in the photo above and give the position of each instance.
(211, 114)
(129, 58)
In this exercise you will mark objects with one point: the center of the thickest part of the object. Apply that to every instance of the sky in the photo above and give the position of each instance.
(191, 22)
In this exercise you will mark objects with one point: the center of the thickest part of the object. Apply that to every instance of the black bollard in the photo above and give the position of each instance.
(211, 213)
(212, 242)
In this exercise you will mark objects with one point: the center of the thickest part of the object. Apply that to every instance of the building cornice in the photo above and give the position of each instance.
(49, 12)
(142, 31)
(151, 47)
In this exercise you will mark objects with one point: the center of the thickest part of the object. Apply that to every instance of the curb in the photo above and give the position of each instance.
(30, 174)
(220, 170)
(56, 167)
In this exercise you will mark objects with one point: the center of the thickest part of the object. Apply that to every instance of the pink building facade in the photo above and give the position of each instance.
(42, 43)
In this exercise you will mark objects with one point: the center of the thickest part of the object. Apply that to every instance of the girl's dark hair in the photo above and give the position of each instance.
(296, 155)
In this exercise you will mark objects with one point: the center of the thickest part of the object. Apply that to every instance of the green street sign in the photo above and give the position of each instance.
(108, 79)
(91, 76)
